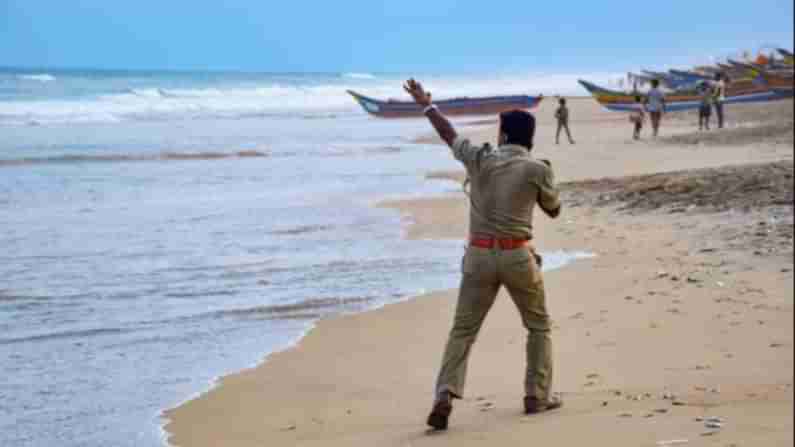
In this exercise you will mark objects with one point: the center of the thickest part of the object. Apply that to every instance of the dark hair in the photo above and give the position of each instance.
(655, 82)
(519, 127)
(718, 76)
(562, 101)
(638, 98)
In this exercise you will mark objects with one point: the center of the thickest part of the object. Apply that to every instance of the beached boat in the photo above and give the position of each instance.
(753, 70)
(672, 80)
(745, 65)
(782, 85)
(789, 58)
(634, 77)
(618, 101)
(666, 79)
(690, 76)
(457, 106)
(708, 70)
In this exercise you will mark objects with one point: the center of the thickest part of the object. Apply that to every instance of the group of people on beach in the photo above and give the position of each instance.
(713, 95)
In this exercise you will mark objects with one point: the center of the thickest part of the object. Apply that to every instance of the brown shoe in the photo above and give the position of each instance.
(534, 406)
(440, 414)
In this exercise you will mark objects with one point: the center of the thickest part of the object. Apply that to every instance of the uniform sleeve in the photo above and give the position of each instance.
(548, 194)
(467, 153)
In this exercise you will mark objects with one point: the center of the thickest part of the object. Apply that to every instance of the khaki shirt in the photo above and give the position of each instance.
(506, 184)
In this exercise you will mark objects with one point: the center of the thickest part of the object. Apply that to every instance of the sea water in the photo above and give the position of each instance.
(158, 230)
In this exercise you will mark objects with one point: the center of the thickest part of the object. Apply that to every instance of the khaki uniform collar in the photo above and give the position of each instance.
(514, 150)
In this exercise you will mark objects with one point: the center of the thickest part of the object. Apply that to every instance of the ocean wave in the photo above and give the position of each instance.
(156, 93)
(7, 296)
(147, 92)
(80, 333)
(162, 156)
(166, 104)
(358, 76)
(302, 229)
(326, 99)
(313, 308)
(201, 294)
(43, 77)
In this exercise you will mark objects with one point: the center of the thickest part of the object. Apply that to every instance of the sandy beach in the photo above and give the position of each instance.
(685, 312)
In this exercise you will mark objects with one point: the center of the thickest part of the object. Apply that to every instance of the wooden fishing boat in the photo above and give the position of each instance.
(669, 80)
(690, 76)
(708, 70)
(656, 74)
(789, 58)
(457, 106)
(782, 85)
(640, 77)
(619, 101)
(753, 70)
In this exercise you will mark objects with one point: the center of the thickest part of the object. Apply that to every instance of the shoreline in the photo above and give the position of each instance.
(394, 204)
(346, 399)
(217, 381)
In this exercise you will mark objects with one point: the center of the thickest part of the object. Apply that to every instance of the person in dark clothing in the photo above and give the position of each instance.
(562, 115)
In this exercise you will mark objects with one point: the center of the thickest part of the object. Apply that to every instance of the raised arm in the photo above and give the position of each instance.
(438, 121)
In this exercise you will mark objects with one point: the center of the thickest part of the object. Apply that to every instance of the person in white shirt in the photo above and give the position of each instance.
(719, 96)
(655, 105)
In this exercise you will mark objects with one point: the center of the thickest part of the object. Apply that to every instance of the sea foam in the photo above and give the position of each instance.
(307, 96)
(358, 75)
(38, 77)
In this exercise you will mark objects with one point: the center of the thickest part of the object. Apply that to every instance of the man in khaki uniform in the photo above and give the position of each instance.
(506, 185)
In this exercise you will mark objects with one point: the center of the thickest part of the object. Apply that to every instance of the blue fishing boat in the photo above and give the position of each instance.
(458, 106)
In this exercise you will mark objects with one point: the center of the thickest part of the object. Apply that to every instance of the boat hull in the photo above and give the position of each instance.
(784, 92)
(778, 80)
(453, 107)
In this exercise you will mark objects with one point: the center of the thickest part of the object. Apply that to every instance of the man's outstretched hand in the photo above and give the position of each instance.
(438, 121)
(416, 91)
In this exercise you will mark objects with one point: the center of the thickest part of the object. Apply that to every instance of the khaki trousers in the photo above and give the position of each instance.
(484, 271)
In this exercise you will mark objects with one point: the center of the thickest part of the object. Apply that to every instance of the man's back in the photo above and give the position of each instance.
(506, 184)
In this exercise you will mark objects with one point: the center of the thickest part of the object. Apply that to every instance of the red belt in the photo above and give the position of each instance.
(491, 242)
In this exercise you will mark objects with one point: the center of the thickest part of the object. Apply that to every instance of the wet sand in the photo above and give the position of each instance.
(685, 313)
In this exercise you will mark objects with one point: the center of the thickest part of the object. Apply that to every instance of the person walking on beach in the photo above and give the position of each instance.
(506, 185)
(637, 117)
(655, 105)
(719, 97)
(562, 115)
(705, 109)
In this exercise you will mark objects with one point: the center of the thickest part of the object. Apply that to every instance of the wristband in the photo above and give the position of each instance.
(429, 108)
